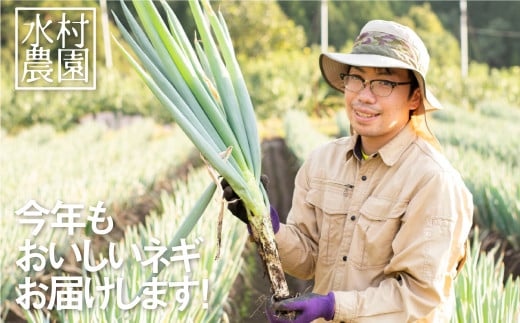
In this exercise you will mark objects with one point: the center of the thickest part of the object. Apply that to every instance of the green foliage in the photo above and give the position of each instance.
(256, 27)
(220, 273)
(85, 165)
(481, 295)
(500, 86)
(493, 29)
(300, 135)
(277, 81)
(491, 130)
(442, 46)
(281, 81)
(117, 91)
(346, 18)
(483, 146)
(204, 89)
(305, 14)
(279, 72)
(493, 25)
(260, 27)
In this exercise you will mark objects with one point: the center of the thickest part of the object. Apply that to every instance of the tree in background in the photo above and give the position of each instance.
(277, 46)
(345, 18)
(258, 27)
(443, 46)
(493, 29)
(493, 25)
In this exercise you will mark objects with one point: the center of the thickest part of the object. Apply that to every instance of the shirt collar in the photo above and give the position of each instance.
(391, 152)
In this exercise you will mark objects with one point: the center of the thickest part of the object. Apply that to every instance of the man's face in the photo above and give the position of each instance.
(378, 119)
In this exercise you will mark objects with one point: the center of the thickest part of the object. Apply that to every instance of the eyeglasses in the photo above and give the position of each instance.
(355, 83)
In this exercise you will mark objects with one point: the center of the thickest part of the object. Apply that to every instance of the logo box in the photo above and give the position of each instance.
(55, 48)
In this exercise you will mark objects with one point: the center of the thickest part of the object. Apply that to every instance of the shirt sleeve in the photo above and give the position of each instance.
(427, 249)
(297, 240)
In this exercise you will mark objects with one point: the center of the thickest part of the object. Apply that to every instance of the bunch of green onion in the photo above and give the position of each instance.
(204, 89)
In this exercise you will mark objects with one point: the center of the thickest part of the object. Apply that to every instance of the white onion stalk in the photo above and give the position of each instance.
(204, 89)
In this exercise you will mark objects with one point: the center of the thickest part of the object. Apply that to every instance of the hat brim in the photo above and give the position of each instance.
(333, 64)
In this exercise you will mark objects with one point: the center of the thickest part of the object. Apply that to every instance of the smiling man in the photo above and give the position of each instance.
(379, 219)
(378, 121)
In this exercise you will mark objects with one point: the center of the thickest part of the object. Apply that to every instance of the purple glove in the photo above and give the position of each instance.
(275, 219)
(308, 307)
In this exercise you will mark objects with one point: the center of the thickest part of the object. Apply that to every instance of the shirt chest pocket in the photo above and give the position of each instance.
(329, 196)
(330, 200)
(378, 224)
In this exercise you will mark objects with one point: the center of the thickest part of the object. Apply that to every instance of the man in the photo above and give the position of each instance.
(379, 219)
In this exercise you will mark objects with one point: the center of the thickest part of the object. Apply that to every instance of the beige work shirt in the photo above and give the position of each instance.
(384, 234)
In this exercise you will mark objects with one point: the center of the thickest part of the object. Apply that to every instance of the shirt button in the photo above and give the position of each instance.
(363, 178)
(345, 258)
(353, 218)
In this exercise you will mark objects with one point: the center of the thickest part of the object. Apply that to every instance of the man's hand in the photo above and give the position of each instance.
(235, 204)
(308, 307)
(237, 208)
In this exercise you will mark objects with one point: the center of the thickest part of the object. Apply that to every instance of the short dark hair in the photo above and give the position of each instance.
(415, 83)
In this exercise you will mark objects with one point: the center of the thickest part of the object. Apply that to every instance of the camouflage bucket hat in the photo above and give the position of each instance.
(383, 44)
